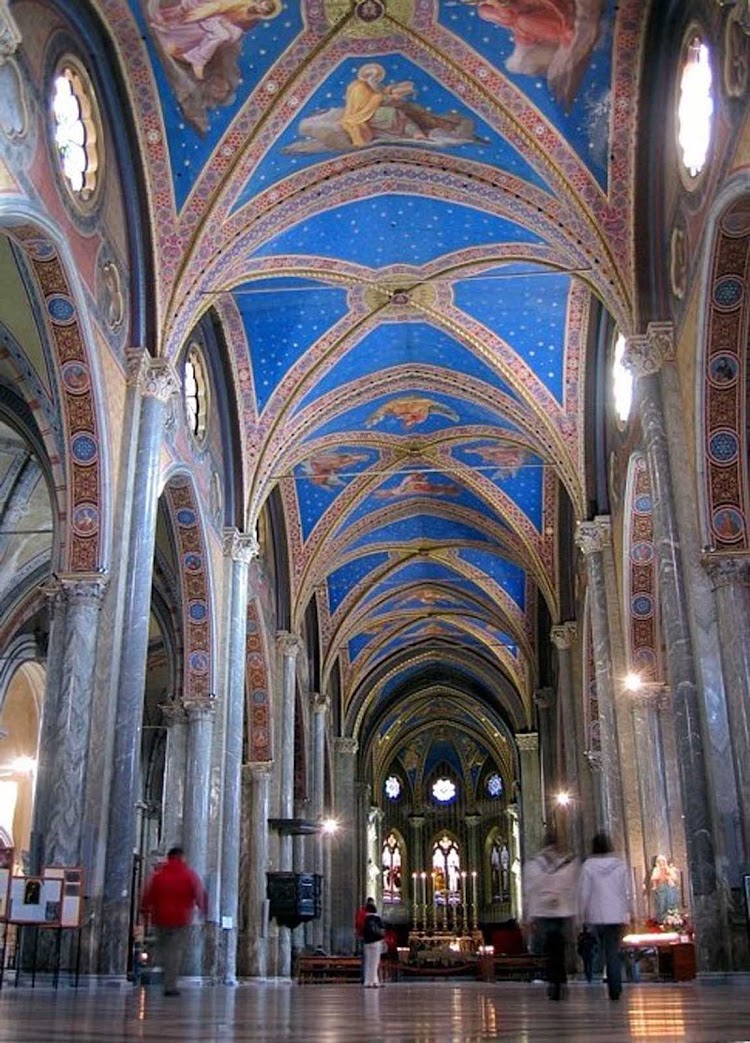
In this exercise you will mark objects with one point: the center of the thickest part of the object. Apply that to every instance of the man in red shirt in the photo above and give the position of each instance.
(172, 894)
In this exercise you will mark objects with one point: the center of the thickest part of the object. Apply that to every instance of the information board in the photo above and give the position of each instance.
(71, 878)
(36, 900)
(6, 870)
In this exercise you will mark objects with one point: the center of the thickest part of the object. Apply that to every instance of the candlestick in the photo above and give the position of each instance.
(424, 901)
(474, 897)
(463, 901)
(414, 900)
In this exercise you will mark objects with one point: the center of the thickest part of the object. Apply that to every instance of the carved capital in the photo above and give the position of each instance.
(255, 771)
(544, 698)
(173, 713)
(320, 703)
(730, 571)
(151, 377)
(588, 538)
(345, 744)
(527, 742)
(78, 588)
(594, 758)
(241, 547)
(563, 635)
(199, 707)
(646, 354)
(10, 34)
(288, 644)
(416, 822)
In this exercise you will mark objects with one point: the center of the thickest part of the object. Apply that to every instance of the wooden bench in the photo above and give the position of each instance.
(524, 967)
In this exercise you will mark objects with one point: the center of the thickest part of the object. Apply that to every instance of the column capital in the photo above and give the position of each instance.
(563, 635)
(242, 547)
(646, 353)
(527, 741)
(199, 707)
(152, 377)
(173, 712)
(593, 536)
(320, 703)
(345, 744)
(76, 587)
(10, 35)
(544, 698)
(472, 820)
(416, 821)
(253, 770)
(730, 571)
(288, 644)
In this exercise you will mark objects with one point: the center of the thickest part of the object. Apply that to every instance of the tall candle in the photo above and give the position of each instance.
(474, 890)
(424, 892)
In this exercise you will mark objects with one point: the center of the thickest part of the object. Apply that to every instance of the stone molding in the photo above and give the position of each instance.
(345, 744)
(173, 713)
(242, 547)
(257, 770)
(563, 635)
(151, 377)
(730, 571)
(588, 538)
(199, 707)
(527, 742)
(76, 587)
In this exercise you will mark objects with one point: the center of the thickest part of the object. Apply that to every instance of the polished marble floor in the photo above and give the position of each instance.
(445, 1012)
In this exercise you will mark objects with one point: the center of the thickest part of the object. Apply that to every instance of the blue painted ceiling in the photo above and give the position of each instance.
(402, 201)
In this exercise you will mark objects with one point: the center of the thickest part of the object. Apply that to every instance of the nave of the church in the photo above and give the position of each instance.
(374, 497)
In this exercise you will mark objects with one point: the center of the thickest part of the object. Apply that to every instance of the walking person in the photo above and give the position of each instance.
(549, 882)
(170, 898)
(604, 906)
(373, 934)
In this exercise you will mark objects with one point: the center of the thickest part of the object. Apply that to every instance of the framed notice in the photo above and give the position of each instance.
(6, 870)
(35, 900)
(71, 879)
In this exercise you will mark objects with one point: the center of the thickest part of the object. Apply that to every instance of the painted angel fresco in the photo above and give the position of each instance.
(507, 459)
(410, 411)
(324, 469)
(376, 111)
(418, 485)
(200, 43)
(552, 38)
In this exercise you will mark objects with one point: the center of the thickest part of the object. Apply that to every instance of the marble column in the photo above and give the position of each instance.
(476, 865)
(200, 715)
(544, 700)
(730, 578)
(417, 863)
(76, 601)
(289, 646)
(156, 382)
(563, 637)
(645, 356)
(345, 854)
(256, 784)
(532, 822)
(647, 704)
(240, 551)
(590, 537)
(175, 770)
(320, 706)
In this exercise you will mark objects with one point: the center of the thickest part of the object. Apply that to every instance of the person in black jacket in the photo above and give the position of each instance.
(372, 939)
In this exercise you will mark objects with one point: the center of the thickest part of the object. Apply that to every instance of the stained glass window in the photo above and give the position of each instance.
(195, 391)
(494, 785)
(75, 130)
(696, 107)
(391, 870)
(446, 871)
(622, 382)
(444, 790)
(393, 787)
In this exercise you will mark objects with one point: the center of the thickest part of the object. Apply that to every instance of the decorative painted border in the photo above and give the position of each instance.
(641, 603)
(258, 689)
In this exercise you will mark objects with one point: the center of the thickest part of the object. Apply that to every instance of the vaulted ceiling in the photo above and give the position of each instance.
(401, 211)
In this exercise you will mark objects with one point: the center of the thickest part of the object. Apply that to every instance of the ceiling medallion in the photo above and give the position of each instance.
(370, 10)
(368, 18)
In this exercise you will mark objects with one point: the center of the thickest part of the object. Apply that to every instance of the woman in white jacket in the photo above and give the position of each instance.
(604, 905)
(549, 889)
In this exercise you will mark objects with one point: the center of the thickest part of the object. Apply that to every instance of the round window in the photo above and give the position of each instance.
(76, 130)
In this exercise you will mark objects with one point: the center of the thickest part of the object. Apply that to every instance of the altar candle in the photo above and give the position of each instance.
(474, 890)
(463, 889)
(424, 892)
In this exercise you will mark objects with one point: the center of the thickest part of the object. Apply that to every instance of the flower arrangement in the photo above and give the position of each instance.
(674, 920)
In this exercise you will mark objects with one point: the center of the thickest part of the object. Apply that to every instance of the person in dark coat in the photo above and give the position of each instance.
(373, 934)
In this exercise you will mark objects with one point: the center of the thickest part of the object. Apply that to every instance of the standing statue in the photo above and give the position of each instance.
(665, 879)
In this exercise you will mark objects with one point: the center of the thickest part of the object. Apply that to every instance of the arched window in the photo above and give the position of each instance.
(391, 863)
(695, 108)
(195, 392)
(500, 869)
(446, 871)
(622, 383)
(75, 129)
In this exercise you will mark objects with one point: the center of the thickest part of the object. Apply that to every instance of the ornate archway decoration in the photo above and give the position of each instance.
(259, 716)
(641, 605)
(194, 588)
(724, 386)
(81, 473)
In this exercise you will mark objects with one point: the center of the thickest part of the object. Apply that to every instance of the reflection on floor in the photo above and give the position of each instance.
(427, 1012)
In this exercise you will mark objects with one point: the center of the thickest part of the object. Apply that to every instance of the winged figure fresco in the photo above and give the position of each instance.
(324, 469)
(411, 411)
(507, 459)
(418, 485)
